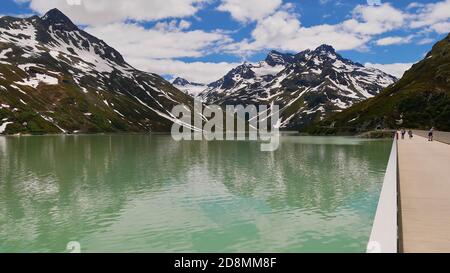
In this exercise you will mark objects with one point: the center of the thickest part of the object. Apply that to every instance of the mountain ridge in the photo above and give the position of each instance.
(308, 86)
(419, 100)
(57, 78)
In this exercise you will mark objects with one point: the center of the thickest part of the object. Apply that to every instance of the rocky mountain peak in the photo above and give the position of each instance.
(55, 17)
(56, 29)
(180, 81)
(325, 49)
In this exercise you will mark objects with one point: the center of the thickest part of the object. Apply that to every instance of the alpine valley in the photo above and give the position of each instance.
(56, 78)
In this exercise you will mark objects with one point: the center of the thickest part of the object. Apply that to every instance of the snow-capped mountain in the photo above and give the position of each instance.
(307, 86)
(191, 88)
(55, 77)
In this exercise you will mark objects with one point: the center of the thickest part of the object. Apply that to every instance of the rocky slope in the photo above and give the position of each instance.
(56, 78)
(308, 86)
(420, 100)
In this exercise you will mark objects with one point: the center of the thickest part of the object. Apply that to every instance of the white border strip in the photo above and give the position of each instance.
(384, 237)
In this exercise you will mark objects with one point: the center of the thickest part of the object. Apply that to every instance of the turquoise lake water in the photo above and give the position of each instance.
(148, 193)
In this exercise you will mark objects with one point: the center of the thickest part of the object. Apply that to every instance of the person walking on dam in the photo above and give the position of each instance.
(431, 134)
(403, 133)
(410, 133)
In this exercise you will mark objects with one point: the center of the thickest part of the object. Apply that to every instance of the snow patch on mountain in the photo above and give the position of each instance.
(37, 79)
(264, 69)
(3, 126)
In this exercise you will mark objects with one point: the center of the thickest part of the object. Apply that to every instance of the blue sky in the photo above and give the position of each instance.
(202, 39)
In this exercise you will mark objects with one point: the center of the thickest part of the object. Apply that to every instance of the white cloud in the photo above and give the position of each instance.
(435, 16)
(162, 41)
(394, 40)
(441, 28)
(415, 5)
(283, 30)
(426, 41)
(249, 10)
(155, 50)
(173, 25)
(324, 2)
(201, 72)
(372, 20)
(94, 12)
(395, 69)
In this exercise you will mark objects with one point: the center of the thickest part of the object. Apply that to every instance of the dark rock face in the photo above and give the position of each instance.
(55, 77)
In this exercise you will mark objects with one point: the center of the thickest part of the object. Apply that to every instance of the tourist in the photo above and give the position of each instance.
(431, 134)
(403, 133)
(410, 133)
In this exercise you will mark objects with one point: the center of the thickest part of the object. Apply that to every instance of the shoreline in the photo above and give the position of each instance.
(290, 133)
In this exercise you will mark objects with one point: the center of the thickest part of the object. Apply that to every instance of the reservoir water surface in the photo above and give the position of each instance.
(148, 193)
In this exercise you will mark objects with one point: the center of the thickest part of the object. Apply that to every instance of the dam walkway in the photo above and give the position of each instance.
(424, 195)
